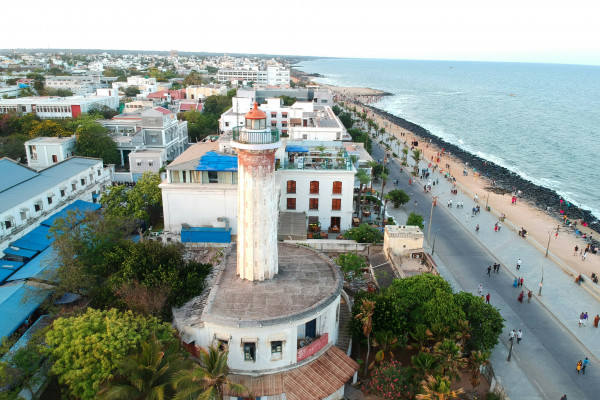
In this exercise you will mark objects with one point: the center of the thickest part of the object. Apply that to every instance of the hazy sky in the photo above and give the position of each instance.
(500, 30)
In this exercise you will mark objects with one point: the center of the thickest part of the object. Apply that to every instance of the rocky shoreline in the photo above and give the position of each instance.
(506, 180)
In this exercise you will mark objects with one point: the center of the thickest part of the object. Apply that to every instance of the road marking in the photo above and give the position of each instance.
(539, 387)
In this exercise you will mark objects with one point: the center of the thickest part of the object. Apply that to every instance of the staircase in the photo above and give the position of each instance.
(344, 338)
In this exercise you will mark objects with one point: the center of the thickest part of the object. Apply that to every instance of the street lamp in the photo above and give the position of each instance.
(433, 203)
(541, 282)
(549, 238)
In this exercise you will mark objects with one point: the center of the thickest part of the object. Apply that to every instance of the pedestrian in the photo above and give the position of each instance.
(521, 282)
(519, 263)
(496, 227)
(596, 320)
(579, 365)
(480, 289)
(512, 335)
(489, 269)
(585, 363)
(477, 228)
(576, 250)
(487, 298)
(515, 282)
(564, 397)
(585, 318)
(584, 255)
(581, 321)
(415, 204)
(529, 296)
(519, 336)
(520, 298)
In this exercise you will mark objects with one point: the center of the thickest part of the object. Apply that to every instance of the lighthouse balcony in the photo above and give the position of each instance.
(247, 136)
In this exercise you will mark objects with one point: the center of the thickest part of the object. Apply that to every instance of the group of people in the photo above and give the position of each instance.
(515, 335)
(581, 365)
(518, 282)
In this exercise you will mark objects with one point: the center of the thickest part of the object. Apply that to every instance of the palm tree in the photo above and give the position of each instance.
(209, 380)
(386, 197)
(425, 364)
(405, 156)
(147, 374)
(437, 389)
(463, 332)
(366, 318)
(420, 337)
(438, 332)
(476, 361)
(386, 341)
(372, 164)
(384, 178)
(363, 178)
(450, 356)
(417, 157)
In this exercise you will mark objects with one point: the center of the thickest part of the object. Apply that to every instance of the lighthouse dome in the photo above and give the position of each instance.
(255, 113)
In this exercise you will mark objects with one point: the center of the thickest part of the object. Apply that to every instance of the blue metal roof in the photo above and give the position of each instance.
(35, 268)
(79, 207)
(7, 268)
(13, 174)
(297, 149)
(13, 309)
(30, 184)
(206, 234)
(38, 239)
(20, 252)
(213, 161)
(41, 322)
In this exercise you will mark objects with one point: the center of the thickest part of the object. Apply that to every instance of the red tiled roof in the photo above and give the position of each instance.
(326, 374)
(190, 106)
(162, 110)
(157, 95)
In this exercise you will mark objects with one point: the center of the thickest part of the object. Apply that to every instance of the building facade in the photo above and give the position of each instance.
(42, 152)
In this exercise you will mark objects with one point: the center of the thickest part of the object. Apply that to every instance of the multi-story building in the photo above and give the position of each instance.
(199, 92)
(61, 107)
(157, 131)
(276, 75)
(80, 84)
(145, 85)
(27, 196)
(43, 152)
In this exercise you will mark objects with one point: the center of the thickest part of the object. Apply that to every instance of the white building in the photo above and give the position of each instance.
(43, 152)
(280, 333)
(61, 107)
(27, 196)
(314, 122)
(145, 85)
(276, 75)
(79, 84)
(199, 92)
(9, 91)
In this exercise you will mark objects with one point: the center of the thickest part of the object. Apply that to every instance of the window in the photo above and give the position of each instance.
(273, 115)
(313, 204)
(276, 350)
(314, 187)
(250, 351)
(284, 124)
(138, 163)
(23, 215)
(273, 124)
(8, 223)
(49, 200)
(291, 204)
(62, 192)
(82, 181)
(337, 187)
(91, 177)
(283, 115)
(73, 186)
(33, 151)
(54, 159)
(213, 177)
(99, 172)
(37, 206)
(226, 123)
(291, 186)
(150, 163)
(336, 204)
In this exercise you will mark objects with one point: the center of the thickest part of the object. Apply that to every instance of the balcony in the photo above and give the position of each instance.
(312, 348)
(254, 137)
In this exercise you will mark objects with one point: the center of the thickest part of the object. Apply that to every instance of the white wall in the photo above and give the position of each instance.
(45, 151)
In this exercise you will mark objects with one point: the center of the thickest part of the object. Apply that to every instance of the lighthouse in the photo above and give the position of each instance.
(256, 144)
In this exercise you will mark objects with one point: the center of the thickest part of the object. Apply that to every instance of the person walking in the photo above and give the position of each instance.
(512, 335)
(521, 282)
(576, 250)
(585, 318)
(585, 363)
(581, 321)
(596, 320)
(519, 336)
(515, 282)
(564, 397)
(480, 289)
(520, 298)
(529, 296)
(579, 366)
(487, 298)
(489, 269)
(519, 263)
(477, 228)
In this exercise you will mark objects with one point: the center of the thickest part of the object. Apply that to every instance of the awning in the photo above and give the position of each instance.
(313, 381)
(16, 251)
(36, 267)
(297, 149)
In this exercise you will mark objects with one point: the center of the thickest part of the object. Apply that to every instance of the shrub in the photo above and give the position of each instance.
(364, 234)
(390, 381)
(351, 264)
(415, 220)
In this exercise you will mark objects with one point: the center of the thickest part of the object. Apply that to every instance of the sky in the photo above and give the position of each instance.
(487, 30)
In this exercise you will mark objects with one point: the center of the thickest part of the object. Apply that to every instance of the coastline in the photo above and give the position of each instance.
(530, 212)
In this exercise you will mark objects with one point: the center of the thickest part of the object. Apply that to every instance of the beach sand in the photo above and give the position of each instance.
(539, 225)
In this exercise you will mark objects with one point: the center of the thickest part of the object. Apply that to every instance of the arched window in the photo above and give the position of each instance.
(337, 187)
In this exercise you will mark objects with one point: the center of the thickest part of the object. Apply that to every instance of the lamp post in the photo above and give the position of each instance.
(549, 238)
(431, 216)
(486, 200)
(541, 282)
(433, 245)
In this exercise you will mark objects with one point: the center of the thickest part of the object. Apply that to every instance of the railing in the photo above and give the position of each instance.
(312, 348)
(253, 137)
(344, 164)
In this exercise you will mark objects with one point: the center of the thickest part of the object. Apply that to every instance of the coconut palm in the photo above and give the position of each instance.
(209, 380)
(463, 332)
(450, 357)
(386, 341)
(417, 157)
(147, 374)
(437, 389)
(372, 164)
(384, 178)
(405, 156)
(476, 360)
(363, 178)
(366, 318)
(425, 364)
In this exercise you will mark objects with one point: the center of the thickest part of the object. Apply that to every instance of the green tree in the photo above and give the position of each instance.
(104, 112)
(209, 380)
(131, 91)
(404, 156)
(346, 120)
(93, 140)
(59, 92)
(351, 264)
(212, 70)
(450, 357)
(476, 360)
(287, 100)
(145, 199)
(417, 157)
(485, 322)
(193, 78)
(200, 124)
(48, 128)
(39, 82)
(13, 147)
(147, 374)
(415, 220)
(216, 105)
(87, 349)
(365, 316)
(364, 233)
(424, 364)
(386, 341)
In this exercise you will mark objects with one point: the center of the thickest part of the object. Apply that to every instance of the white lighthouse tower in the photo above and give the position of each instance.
(256, 145)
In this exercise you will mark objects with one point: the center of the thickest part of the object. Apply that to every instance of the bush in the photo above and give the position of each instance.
(364, 234)
(390, 221)
(390, 381)
(415, 220)
(351, 264)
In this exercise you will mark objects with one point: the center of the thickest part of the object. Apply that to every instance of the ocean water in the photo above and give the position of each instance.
(541, 121)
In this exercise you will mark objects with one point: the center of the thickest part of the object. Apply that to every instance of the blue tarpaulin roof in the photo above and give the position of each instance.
(35, 268)
(20, 252)
(7, 268)
(79, 207)
(206, 234)
(38, 239)
(213, 161)
(12, 308)
(297, 149)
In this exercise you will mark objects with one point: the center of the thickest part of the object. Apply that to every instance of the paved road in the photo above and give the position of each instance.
(548, 353)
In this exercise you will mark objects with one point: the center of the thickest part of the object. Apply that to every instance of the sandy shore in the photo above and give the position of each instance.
(539, 225)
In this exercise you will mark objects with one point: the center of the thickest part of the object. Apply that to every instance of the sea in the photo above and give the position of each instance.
(541, 121)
